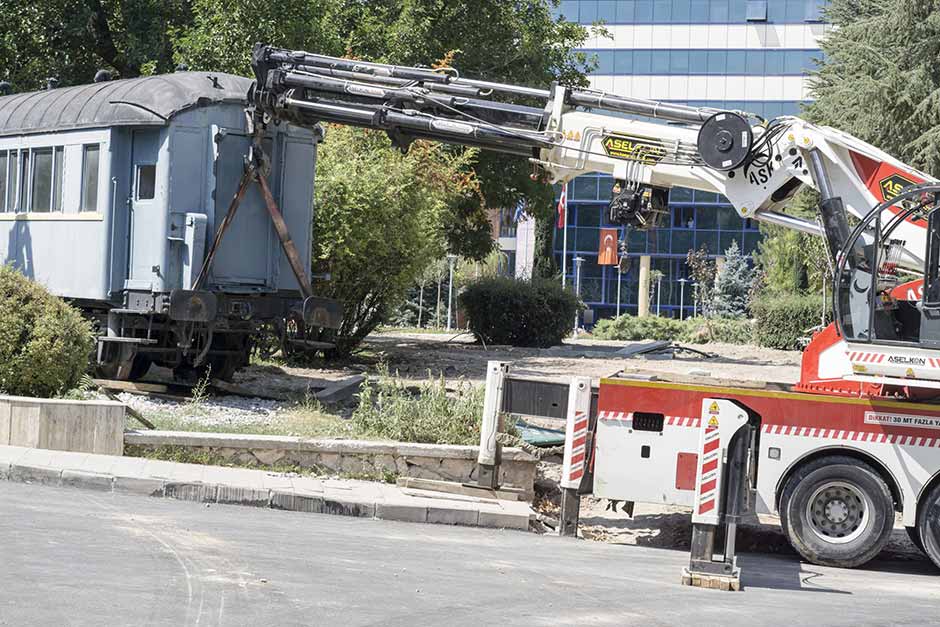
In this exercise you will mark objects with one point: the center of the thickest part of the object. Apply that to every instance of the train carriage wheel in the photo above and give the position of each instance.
(837, 511)
(928, 525)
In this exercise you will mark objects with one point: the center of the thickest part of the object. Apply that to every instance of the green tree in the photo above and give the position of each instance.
(879, 80)
(378, 221)
(71, 39)
(733, 284)
(515, 42)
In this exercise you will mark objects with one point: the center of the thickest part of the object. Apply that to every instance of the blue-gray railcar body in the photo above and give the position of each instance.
(111, 193)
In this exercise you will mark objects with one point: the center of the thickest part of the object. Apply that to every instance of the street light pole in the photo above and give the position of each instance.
(619, 275)
(682, 283)
(450, 287)
(578, 261)
(659, 290)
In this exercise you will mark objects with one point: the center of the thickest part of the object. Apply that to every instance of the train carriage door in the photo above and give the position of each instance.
(147, 204)
(244, 256)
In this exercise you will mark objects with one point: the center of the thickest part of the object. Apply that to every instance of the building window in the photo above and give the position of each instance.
(756, 11)
(814, 10)
(146, 185)
(90, 158)
(46, 180)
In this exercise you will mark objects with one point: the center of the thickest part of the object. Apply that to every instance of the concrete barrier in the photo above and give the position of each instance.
(62, 425)
(355, 457)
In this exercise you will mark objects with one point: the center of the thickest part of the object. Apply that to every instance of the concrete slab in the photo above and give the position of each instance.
(232, 495)
(25, 473)
(199, 492)
(503, 519)
(141, 486)
(403, 508)
(87, 480)
(454, 514)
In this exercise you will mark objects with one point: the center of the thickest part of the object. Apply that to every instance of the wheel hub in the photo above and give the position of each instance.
(837, 512)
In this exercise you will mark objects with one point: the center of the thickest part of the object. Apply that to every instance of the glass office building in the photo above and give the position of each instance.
(752, 55)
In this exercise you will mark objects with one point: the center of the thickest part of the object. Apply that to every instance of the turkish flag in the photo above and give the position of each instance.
(607, 252)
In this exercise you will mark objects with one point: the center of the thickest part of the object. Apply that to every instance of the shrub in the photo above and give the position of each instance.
(517, 312)
(430, 415)
(44, 343)
(631, 328)
(725, 330)
(782, 321)
(692, 330)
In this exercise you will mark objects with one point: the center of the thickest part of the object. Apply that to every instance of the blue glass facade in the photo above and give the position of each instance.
(696, 219)
(692, 11)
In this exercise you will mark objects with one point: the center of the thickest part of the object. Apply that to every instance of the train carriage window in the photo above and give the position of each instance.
(22, 165)
(46, 180)
(41, 192)
(146, 181)
(57, 166)
(90, 177)
(4, 163)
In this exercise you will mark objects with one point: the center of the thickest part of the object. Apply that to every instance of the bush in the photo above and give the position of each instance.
(725, 330)
(389, 409)
(44, 343)
(630, 328)
(521, 313)
(691, 330)
(782, 321)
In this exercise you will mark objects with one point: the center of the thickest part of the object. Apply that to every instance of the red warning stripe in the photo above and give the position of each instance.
(868, 358)
(711, 445)
(709, 466)
(706, 506)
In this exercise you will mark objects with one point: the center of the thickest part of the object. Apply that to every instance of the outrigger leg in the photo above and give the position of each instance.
(725, 444)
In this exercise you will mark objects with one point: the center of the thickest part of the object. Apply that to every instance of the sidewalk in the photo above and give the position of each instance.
(257, 488)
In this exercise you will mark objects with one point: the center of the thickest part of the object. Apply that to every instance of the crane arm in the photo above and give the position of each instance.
(564, 132)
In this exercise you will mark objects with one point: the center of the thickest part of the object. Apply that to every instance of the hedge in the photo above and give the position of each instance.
(784, 321)
(44, 343)
(517, 312)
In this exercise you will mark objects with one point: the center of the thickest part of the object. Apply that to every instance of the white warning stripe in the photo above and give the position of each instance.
(872, 437)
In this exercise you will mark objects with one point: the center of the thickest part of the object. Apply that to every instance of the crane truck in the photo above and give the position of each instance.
(840, 454)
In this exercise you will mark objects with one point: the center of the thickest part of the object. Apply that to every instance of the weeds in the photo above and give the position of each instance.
(430, 414)
(200, 393)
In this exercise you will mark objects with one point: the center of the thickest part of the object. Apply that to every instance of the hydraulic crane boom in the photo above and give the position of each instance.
(758, 165)
(649, 147)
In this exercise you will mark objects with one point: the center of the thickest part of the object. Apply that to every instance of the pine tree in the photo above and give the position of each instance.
(879, 79)
(733, 284)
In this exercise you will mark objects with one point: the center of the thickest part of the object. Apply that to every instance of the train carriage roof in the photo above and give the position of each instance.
(150, 100)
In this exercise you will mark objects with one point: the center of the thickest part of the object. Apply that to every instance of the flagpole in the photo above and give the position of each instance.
(564, 241)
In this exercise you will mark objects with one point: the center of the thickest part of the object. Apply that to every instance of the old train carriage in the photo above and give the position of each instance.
(110, 194)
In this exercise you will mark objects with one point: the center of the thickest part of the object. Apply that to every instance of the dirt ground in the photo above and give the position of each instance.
(413, 355)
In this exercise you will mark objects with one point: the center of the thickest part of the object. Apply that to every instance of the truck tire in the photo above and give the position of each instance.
(837, 511)
(914, 534)
(928, 525)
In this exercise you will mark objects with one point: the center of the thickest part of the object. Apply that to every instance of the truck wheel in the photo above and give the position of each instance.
(837, 511)
(928, 525)
(914, 535)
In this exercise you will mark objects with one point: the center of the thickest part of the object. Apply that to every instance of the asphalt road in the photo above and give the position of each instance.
(73, 557)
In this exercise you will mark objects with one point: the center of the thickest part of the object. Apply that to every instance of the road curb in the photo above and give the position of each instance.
(369, 502)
